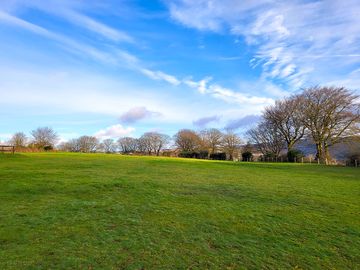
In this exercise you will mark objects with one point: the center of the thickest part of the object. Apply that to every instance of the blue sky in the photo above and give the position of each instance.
(120, 67)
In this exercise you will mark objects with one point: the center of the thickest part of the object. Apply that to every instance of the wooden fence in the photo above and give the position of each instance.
(7, 148)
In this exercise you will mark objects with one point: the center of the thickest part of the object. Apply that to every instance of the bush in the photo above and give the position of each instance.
(247, 156)
(203, 154)
(269, 156)
(189, 154)
(354, 160)
(294, 155)
(48, 148)
(218, 156)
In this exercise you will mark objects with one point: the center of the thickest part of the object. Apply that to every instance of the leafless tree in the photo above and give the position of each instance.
(153, 142)
(127, 144)
(44, 137)
(230, 143)
(19, 140)
(286, 115)
(330, 115)
(187, 140)
(211, 139)
(267, 138)
(87, 144)
(109, 146)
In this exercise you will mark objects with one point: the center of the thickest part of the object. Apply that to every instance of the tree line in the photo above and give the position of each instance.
(325, 115)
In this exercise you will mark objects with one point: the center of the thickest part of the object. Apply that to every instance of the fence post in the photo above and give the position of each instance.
(302, 160)
(356, 163)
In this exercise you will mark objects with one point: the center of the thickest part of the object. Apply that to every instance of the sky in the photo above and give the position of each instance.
(115, 68)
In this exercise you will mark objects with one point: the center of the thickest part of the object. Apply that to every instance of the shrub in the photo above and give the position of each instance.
(189, 154)
(48, 148)
(294, 155)
(247, 156)
(354, 160)
(218, 156)
(203, 154)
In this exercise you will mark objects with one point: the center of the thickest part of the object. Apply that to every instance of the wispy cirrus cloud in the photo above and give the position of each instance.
(294, 42)
(205, 87)
(122, 58)
(69, 11)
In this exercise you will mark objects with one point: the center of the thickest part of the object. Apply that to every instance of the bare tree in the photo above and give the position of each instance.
(109, 146)
(330, 115)
(144, 144)
(187, 140)
(127, 144)
(211, 139)
(44, 137)
(153, 142)
(19, 140)
(267, 138)
(87, 144)
(286, 115)
(230, 143)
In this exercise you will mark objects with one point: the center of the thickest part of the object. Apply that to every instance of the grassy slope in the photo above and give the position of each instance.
(106, 211)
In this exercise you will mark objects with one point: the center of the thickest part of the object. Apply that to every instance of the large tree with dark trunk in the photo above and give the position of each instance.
(330, 114)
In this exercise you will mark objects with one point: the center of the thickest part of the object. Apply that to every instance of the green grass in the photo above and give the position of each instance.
(94, 211)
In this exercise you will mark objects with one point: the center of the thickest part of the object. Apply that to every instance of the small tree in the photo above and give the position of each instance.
(19, 140)
(187, 140)
(286, 115)
(267, 138)
(88, 144)
(127, 144)
(44, 136)
(211, 139)
(109, 146)
(230, 143)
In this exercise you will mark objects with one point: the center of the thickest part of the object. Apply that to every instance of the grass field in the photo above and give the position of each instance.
(95, 211)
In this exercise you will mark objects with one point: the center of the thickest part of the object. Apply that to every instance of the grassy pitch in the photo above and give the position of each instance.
(97, 211)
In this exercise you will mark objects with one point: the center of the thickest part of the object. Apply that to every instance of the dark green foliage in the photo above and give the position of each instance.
(294, 155)
(218, 156)
(269, 156)
(189, 154)
(247, 156)
(48, 148)
(354, 160)
(203, 154)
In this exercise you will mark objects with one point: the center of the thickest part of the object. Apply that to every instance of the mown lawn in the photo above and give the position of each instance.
(97, 211)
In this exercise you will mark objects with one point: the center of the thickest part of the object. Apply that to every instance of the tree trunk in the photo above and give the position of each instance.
(327, 153)
(320, 153)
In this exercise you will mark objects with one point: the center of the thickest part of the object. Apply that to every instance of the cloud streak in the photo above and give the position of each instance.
(286, 36)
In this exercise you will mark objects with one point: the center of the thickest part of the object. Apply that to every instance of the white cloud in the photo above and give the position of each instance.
(114, 131)
(68, 10)
(225, 94)
(137, 113)
(294, 41)
(160, 76)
